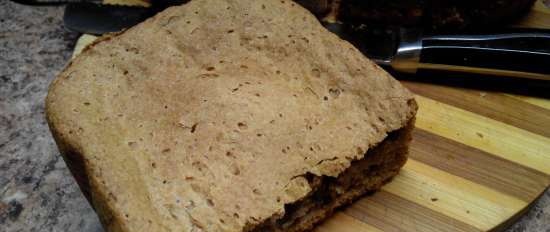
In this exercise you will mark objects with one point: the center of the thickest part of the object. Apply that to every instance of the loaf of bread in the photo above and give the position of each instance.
(227, 115)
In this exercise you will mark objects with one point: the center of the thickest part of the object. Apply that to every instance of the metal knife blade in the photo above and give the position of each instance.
(380, 44)
(97, 19)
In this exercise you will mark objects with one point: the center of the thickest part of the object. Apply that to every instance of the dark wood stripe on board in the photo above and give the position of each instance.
(477, 166)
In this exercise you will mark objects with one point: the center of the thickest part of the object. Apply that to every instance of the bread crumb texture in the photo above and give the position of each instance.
(207, 116)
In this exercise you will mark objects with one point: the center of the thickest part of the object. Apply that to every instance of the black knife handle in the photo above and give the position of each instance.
(523, 53)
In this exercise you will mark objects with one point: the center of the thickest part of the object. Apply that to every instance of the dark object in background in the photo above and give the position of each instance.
(97, 19)
(318, 7)
(432, 15)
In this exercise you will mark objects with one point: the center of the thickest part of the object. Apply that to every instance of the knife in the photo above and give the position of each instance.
(521, 53)
(512, 52)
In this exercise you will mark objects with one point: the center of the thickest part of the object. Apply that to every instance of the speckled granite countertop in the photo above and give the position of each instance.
(37, 192)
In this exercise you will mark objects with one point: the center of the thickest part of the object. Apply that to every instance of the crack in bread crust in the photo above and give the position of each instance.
(366, 175)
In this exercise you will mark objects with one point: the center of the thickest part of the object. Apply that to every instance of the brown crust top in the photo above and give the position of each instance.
(207, 116)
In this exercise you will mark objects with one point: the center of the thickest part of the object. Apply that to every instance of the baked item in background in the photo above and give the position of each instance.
(435, 15)
(227, 115)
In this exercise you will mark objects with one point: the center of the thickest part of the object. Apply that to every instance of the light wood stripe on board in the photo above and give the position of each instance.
(343, 223)
(392, 213)
(500, 107)
(509, 142)
(453, 196)
(478, 166)
(540, 102)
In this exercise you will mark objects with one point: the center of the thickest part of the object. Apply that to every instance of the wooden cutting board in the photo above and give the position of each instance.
(478, 160)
